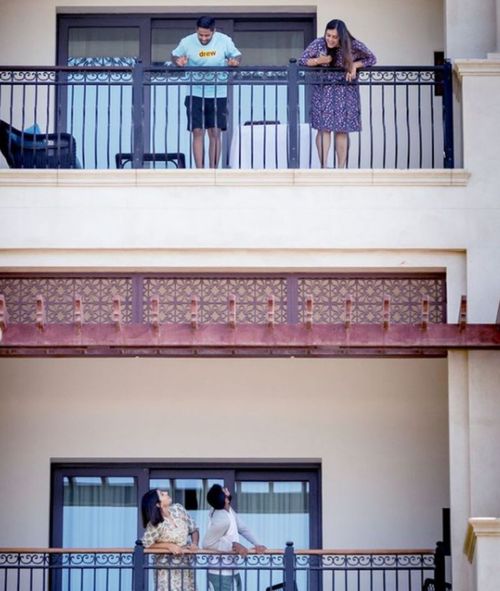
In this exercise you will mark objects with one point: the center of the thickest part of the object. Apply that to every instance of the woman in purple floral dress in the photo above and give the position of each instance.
(335, 102)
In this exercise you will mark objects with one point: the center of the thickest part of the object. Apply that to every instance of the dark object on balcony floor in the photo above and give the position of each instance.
(279, 586)
(177, 158)
(44, 150)
(262, 122)
(430, 585)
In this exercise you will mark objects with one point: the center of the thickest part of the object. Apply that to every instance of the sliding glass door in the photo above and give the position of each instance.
(276, 510)
(98, 507)
(97, 109)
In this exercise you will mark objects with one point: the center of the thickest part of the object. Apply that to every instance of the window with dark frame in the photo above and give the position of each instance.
(98, 505)
(123, 40)
(264, 38)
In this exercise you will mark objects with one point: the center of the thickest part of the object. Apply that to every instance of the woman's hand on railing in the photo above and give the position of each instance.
(352, 72)
(169, 547)
(191, 548)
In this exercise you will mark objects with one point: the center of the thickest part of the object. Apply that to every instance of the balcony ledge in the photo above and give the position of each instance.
(480, 527)
(237, 178)
(477, 67)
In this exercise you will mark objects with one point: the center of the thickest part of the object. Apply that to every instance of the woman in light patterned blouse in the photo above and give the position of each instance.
(169, 527)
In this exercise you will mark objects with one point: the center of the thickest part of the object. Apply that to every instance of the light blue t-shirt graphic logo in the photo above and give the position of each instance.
(213, 54)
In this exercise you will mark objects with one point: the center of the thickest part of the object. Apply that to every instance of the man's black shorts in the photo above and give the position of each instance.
(205, 113)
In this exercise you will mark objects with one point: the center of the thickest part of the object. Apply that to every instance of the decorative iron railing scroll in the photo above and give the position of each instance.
(140, 570)
(116, 108)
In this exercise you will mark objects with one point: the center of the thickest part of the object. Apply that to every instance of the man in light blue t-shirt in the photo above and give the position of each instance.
(206, 106)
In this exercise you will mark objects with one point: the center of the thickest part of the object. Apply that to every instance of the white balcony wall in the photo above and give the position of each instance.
(207, 220)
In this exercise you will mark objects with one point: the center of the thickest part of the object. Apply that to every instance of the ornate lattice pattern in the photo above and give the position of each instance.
(213, 292)
(251, 293)
(59, 294)
(367, 294)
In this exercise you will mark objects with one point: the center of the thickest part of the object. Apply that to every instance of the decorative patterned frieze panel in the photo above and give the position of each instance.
(97, 294)
(213, 292)
(251, 293)
(367, 293)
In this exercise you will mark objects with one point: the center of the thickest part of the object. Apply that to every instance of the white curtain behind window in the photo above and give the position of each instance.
(99, 512)
(276, 511)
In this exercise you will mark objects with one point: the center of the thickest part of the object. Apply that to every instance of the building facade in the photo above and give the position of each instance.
(379, 430)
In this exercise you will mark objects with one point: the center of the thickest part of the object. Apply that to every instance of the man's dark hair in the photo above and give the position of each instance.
(205, 22)
(216, 497)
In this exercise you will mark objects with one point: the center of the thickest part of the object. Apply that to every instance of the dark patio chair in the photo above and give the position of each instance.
(40, 150)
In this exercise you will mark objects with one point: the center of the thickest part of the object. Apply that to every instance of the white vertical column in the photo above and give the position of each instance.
(480, 81)
(484, 433)
(497, 49)
(474, 431)
(460, 501)
(496, 53)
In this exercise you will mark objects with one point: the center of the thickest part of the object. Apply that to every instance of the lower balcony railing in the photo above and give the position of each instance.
(136, 117)
(301, 570)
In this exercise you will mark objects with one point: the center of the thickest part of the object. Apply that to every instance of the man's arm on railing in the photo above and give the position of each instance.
(245, 531)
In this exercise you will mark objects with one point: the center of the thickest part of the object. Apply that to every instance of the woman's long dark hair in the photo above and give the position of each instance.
(150, 508)
(345, 39)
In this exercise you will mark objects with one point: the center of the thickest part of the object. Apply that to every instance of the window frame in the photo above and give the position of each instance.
(230, 471)
(245, 21)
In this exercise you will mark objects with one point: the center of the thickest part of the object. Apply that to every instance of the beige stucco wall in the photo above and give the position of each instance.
(340, 225)
(399, 32)
(471, 30)
(379, 428)
(328, 226)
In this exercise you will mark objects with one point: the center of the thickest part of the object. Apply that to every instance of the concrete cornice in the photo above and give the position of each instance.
(476, 67)
(480, 527)
(236, 178)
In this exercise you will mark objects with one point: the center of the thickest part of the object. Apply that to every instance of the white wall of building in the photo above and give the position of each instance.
(398, 32)
(66, 221)
(379, 428)
(229, 224)
(471, 28)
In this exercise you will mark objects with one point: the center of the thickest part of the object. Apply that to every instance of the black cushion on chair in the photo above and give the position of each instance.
(32, 150)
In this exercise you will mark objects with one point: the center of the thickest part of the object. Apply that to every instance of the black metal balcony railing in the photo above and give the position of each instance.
(313, 570)
(107, 117)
